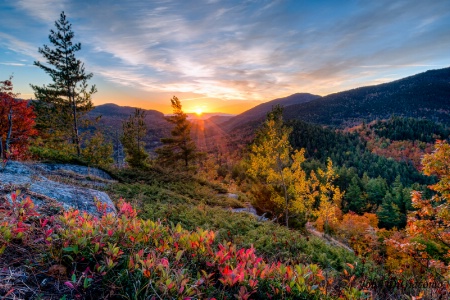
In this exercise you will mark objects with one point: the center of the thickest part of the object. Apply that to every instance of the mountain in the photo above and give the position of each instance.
(260, 111)
(208, 115)
(220, 119)
(112, 116)
(425, 95)
(113, 110)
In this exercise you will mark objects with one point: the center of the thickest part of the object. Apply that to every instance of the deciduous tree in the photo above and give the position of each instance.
(427, 229)
(280, 172)
(330, 196)
(97, 151)
(16, 123)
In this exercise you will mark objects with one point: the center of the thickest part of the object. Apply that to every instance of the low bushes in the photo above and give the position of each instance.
(123, 256)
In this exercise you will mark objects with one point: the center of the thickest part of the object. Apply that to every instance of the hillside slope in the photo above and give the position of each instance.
(260, 111)
(112, 116)
(424, 95)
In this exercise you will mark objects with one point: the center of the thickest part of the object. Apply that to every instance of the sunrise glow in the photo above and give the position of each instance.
(208, 50)
(199, 111)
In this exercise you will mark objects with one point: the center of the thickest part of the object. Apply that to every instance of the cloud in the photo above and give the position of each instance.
(256, 50)
(13, 64)
(17, 45)
(45, 10)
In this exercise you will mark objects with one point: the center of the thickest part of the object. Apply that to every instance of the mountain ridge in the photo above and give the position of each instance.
(423, 95)
(260, 111)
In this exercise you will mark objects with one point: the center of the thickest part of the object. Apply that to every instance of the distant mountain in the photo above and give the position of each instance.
(425, 95)
(112, 115)
(114, 110)
(208, 115)
(220, 119)
(260, 111)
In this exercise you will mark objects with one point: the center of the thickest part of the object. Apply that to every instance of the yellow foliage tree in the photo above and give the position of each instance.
(330, 197)
(271, 162)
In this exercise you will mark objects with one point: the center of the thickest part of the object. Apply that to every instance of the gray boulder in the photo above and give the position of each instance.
(72, 186)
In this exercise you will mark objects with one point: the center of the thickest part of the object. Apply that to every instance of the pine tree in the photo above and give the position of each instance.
(356, 203)
(402, 196)
(178, 147)
(376, 188)
(118, 152)
(389, 215)
(68, 98)
(134, 131)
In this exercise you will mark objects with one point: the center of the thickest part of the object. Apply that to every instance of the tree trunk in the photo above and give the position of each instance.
(10, 125)
(286, 212)
(286, 200)
(1, 150)
(75, 127)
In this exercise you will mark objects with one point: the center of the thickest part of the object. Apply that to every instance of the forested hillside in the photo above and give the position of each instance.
(259, 112)
(425, 95)
(110, 117)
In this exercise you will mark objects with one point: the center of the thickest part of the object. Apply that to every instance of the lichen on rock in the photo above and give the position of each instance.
(63, 183)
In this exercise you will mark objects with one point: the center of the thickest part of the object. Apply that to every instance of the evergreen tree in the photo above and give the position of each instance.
(62, 104)
(134, 131)
(178, 147)
(376, 189)
(402, 196)
(389, 215)
(354, 197)
(118, 152)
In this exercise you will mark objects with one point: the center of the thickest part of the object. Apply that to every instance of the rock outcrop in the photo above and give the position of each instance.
(71, 185)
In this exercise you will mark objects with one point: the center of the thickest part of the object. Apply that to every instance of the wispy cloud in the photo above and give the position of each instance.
(46, 10)
(17, 45)
(255, 50)
(13, 64)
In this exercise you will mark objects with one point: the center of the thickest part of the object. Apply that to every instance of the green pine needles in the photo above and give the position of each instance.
(62, 104)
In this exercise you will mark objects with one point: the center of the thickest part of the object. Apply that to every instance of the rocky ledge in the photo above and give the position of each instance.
(70, 185)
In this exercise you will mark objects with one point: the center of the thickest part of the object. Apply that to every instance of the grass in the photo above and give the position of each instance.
(193, 203)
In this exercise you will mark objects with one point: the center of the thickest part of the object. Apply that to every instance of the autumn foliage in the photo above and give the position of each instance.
(427, 238)
(16, 123)
(122, 256)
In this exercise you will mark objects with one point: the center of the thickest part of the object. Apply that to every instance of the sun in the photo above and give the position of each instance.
(199, 111)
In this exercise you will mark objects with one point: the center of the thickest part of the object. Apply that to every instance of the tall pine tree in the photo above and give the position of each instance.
(180, 146)
(62, 104)
(134, 131)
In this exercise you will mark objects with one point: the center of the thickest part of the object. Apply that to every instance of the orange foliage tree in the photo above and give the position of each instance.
(360, 232)
(428, 227)
(16, 123)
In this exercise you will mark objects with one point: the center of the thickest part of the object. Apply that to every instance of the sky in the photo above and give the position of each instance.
(225, 55)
